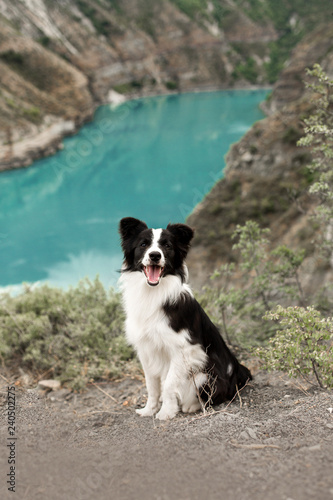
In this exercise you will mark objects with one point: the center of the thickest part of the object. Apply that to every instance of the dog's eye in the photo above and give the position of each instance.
(167, 245)
(143, 244)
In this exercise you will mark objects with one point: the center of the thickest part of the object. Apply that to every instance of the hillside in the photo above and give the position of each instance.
(266, 176)
(60, 60)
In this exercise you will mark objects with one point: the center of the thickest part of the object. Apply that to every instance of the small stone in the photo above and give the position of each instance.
(251, 433)
(59, 395)
(115, 98)
(316, 447)
(247, 157)
(51, 384)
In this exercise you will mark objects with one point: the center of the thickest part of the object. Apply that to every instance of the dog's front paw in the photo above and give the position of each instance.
(166, 413)
(147, 411)
(191, 408)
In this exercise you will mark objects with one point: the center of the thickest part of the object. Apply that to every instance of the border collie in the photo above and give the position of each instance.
(182, 353)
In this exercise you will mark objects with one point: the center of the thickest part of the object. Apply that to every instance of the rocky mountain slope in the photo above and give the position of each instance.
(266, 176)
(59, 60)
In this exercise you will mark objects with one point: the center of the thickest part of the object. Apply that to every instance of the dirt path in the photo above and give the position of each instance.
(274, 444)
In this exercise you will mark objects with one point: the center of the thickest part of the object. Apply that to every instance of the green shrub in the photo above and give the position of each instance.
(264, 277)
(128, 87)
(303, 347)
(44, 40)
(319, 138)
(171, 85)
(74, 335)
(300, 337)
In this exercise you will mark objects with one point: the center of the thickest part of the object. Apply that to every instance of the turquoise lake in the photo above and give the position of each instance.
(152, 158)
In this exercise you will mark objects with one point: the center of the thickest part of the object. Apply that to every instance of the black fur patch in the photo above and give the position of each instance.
(187, 314)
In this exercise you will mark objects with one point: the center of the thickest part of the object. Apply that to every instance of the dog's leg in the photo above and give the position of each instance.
(190, 392)
(153, 384)
(152, 406)
(171, 392)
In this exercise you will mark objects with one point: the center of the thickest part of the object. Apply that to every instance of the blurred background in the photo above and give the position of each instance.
(154, 158)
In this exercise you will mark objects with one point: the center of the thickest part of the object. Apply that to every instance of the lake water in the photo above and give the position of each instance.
(152, 158)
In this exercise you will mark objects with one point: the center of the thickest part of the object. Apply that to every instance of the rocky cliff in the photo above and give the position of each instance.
(266, 177)
(59, 60)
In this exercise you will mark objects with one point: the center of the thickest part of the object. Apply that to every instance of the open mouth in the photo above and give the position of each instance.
(153, 274)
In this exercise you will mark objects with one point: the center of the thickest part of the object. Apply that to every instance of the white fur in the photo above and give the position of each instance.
(172, 365)
(154, 247)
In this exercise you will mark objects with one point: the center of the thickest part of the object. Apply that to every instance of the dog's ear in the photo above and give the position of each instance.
(183, 234)
(130, 227)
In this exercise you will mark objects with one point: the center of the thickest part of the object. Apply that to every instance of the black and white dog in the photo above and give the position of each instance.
(182, 353)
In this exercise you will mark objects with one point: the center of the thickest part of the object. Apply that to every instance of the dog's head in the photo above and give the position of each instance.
(154, 252)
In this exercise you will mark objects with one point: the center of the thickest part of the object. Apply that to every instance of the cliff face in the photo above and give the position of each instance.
(266, 178)
(59, 60)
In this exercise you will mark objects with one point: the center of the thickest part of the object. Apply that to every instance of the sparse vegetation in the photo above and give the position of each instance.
(128, 87)
(101, 25)
(268, 277)
(304, 345)
(45, 41)
(300, 336)
(171, 85)
(291, 20)
(319, 137)
(192, 8)
(33, 114)
(74, 336)
(247, 70)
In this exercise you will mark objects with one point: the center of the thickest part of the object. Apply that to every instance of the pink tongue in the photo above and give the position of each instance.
(153, 273)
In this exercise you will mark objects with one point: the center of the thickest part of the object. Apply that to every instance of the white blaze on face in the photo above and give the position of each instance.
(154, 248)
(153, 271)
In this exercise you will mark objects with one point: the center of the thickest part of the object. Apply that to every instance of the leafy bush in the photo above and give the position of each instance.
(303, 347)
(126, 88)
(265, 278)
(301, 340)
(73, 335)
(305, 344)
(44, 40)
(171, 85)
(319, 137)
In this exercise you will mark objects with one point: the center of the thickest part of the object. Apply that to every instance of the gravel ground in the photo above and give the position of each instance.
(274, 442)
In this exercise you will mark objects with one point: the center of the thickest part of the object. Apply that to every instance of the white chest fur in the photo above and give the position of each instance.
(146, 320)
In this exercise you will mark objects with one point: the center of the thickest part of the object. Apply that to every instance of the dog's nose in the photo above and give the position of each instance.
(155, 256)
